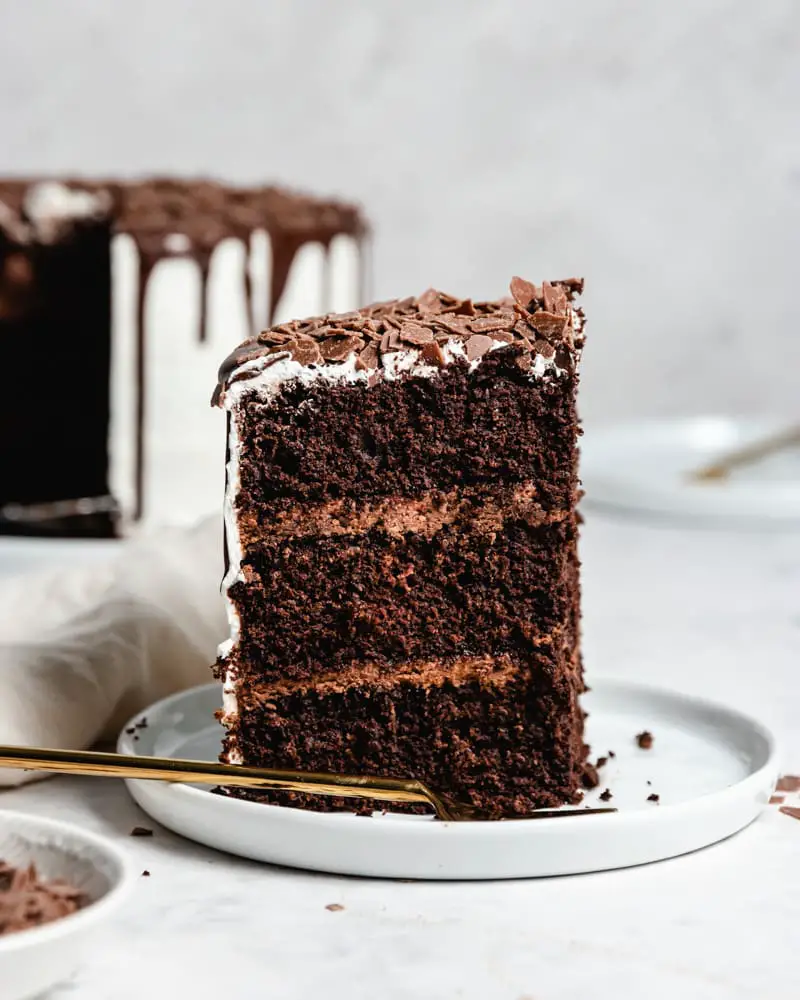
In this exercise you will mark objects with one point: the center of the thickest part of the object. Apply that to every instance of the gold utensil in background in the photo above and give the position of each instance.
(746, 455)
(114, 765)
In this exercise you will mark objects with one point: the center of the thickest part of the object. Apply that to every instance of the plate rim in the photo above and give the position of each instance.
(708, 800)
(610, 491)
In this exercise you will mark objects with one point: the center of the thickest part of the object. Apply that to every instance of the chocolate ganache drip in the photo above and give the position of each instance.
(169, 219)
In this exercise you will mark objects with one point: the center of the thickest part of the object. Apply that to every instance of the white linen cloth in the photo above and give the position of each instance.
(83, 649)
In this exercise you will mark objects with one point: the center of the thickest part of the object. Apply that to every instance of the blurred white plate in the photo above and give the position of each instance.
(713, 769)
(644, 468)
(32, 961)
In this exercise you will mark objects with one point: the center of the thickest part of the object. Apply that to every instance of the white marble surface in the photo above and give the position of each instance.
(714, 613)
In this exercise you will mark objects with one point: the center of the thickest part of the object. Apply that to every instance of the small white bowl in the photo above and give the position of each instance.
(34, 960)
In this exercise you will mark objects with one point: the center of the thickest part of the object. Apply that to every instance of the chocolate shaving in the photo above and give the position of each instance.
(414, 333)
(369, 357)
(788, 783)
(775, 800)
(340, 347)
(524, 293)
(141, 831)
(548, 324)
(554, 299)
(653, 797)
(644, 740)
(430, 301)
(465, 308)
(334, 907)
(792, 811)
(432, 354)
(533, 322)
(478, 345)
(305, 351)
(27, 900)
(601, 762)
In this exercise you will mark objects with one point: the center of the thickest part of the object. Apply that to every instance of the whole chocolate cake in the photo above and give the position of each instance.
(401, 533)
(58, 292)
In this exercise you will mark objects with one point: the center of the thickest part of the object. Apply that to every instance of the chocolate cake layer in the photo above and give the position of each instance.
(459, 430)
(508, 741)
(401, 541)
(319, 603)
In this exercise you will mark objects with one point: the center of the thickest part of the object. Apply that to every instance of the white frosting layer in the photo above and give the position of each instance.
(50, 201)
(264, 379)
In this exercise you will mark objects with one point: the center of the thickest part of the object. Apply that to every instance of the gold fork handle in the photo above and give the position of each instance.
(113, 765)
(747, 454)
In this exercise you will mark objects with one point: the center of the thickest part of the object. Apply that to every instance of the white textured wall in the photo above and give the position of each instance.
(653, 147)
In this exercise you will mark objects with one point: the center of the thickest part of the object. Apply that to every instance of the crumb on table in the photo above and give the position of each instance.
(644, 740)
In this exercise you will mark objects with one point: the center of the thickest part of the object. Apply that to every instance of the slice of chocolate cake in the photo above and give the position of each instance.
(402, 570)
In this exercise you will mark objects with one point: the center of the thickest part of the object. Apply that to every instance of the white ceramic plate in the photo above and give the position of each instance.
(714, 770)
(644, 468)
(32, 961)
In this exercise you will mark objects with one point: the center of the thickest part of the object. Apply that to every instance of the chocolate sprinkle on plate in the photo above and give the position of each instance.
(788, 783)
(606, 796)
(644, 740)
(141, 831)
(653, 797)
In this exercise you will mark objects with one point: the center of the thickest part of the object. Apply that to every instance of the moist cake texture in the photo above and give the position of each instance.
(401, 547)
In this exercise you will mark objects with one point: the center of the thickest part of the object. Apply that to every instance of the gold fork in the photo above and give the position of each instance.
(746, 455)
(115, 765)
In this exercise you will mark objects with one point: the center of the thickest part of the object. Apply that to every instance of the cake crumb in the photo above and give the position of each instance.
(644, 740)
(145, 874)
(334, 907)
(130, 730)
(606, 796)
(788, 783)
(601, 762)
(142, 723)
(653, 797)
(611, 753)
(792, 811)
(141, 831)
(590, 778)
(775, 800)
